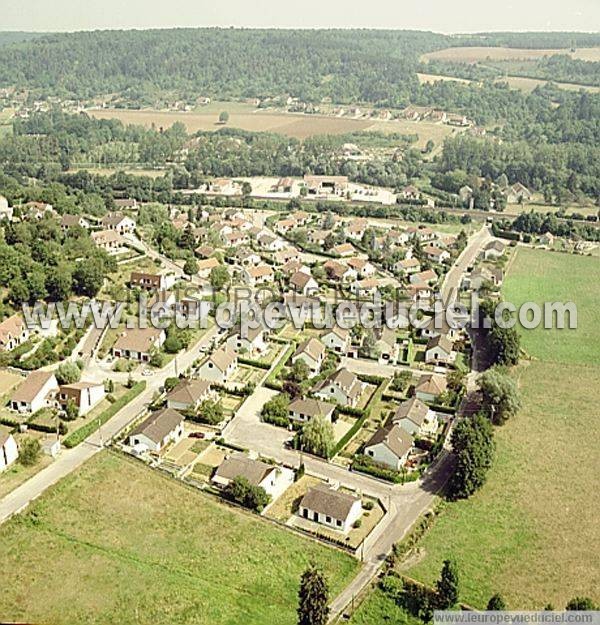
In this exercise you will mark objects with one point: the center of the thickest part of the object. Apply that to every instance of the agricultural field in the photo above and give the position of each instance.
(529, 84)
(468, 54)
(538, 206)
(527, 532)
(83, 554)
(433, 78)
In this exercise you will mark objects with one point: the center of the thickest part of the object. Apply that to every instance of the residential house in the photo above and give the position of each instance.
(252, 341)
(407, 266)
(410, 192)
(312, 352)
(13, 332)
(138, 343)
(219, 366)
(338, 272)
(189, 394)
(437, 325)
(261, 274)
(518, 193)
(270, 243)
(158, 430)
(424, 277)
(337, 339)
(416, 418)
(271, 478)
(386, 345)
(85, 395)
(465, 193)
(317, 237)
(365, 288)
(344, 250)
(9, 452)
(205, 266)
(285, 225)
(436, 254)
(107, 240)
(355, 230)
(303, 283)
(145, 280)
(439, 350)
(37, 391)
(342, 386)
(286, 255)
(293, 266)
(243, 257)
(330, 507)
(70, 221)
(118, 222)
(430, 386)
(283, 185)
(390, 446)
(126, 203)
(547, 239)
(494, 250)
(363, 267)
(236, 238)
(304, 410)
(204, 251)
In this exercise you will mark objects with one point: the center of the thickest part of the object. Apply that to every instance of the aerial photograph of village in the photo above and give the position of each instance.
(298, 315)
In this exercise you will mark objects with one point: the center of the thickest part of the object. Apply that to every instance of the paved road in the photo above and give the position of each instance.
(71, 459)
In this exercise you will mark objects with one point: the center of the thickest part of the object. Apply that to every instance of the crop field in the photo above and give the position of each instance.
(83, 554)
(527, 532)
(475, 54)
(529, 84)
(432, 78)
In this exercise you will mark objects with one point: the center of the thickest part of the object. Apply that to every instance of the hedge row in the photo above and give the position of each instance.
(254, 363)
(89, 428)
(38, 427)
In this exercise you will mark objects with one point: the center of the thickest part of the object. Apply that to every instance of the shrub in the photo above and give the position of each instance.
(29, 451)
(242, 492)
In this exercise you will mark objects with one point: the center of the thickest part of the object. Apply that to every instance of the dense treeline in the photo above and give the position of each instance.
(547, 40)
(349, 66)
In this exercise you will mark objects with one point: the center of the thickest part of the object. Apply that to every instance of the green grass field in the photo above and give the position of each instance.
(532, 530)
(116, 542)
(378, 608)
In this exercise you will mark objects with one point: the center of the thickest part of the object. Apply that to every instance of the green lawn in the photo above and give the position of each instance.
(532, 531)
(116, 542)
(378, 609)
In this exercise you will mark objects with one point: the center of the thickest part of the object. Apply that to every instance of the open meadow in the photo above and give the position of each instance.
(527, 533)
(116, 542)
(474, 54)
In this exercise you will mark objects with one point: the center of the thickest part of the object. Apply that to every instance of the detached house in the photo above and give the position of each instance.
(189, 394)
(363, 268)
(494, 250)
(304, 410)
(254, 276)
(13, 332)
(436, 254)
(342, 387)
(339, 272)
(118, 222)
(158, 430)
(138, 343)
(144, 280)
(439, 350)
(312, 352)
(252, 341)
(107, 240)
(9, 452)
(35, 393)
(430, 387)
(219, 367)
(303, 283)
(70, 221)
(407, 266)
(390, 446)
(355, 230)
(416, 418)
(338, 510)
(85, 395)
(337, 339)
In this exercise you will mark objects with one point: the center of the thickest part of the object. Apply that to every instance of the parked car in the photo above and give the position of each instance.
(196, 435)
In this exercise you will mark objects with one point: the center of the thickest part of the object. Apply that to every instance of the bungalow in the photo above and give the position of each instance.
(303, 410)
(430, 387)
(363, 267)
(317, 237)
(330, 507)
(365, 288)
(407, 266)
(312, 352)
(494, 250)
(390, 446)
(300, 217)
(70, 221)
(285, 225)
(419, 294)
(36, 392)
(107, 240)
(205, 266)
(9, 452)
(326, 185)
(118, 222)
(138, 343)
(235, 238)
(355, 230)
(158, 430)
(422, 233)
(337, 339)
(251, 342)
(150, 281)
(387, 345)
(293, 266)
(439, 350)
(246, 258)
(13, 332)
(85, 395)
(424, 277)
(204, 251)
(342, 386)
(219, 366)
(344, 250)
(126, 203)
(270, 243)
(253, 276)
(189, 394)
(436, 254)
(437, 325)
(303, 283)
(339, 272)
(416, 418)
(286, 255)
(271, 478)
